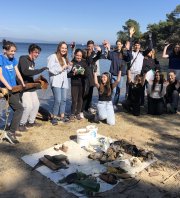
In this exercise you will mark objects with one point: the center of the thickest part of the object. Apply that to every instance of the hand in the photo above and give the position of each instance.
(24, 85)
(97, 48)
(65, 67)
(167, 44)
(71, 64)
(106, 44)
(131, 31)
(127, 45)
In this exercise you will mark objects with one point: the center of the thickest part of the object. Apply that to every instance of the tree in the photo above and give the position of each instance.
(162, 32)
(123, 35)
(165, 31)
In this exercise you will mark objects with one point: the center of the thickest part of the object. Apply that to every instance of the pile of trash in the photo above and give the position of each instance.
(94, 168)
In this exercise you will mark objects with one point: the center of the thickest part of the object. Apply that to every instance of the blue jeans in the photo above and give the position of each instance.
(106, 111)
(59, 100)
(116, 90)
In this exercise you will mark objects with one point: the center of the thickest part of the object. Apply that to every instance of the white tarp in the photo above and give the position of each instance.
(79, 161)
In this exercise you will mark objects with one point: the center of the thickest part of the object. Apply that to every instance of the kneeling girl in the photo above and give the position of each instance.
(105, 88)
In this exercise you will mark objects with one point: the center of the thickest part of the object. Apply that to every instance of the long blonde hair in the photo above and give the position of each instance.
(59, 56)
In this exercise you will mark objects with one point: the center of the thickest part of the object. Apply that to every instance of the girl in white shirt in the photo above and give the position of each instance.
(59, 66)
(156, 91)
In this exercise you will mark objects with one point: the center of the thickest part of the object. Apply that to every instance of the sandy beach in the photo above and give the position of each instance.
(158, 134)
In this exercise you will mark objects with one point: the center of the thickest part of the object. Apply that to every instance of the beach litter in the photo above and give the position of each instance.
(121, 160)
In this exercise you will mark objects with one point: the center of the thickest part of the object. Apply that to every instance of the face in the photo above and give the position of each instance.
(90, 47)
(119, 45)
(137, 47)
(34, 54)
(172, 77)
(150, 54)
(78, 56)
(63, 49)
(104, 79)
(157, 77)
(10, 53)
(176, 48)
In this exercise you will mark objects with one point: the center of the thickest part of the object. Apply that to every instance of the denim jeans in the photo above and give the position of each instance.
(116, 90)
(59, 100)
(106, 111)
(30, 103)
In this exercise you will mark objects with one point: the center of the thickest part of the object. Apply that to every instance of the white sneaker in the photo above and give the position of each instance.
(81, 115)
(10, 137)
(91, 110)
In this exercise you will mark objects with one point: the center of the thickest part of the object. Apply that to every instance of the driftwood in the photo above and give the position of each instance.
(42, 81)
(39, 83)
(20, 88)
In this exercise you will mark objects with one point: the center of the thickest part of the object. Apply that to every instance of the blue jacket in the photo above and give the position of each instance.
(117, 61)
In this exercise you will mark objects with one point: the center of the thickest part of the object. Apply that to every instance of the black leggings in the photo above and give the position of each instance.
(87, 100)
(77, 99)
(155, 106)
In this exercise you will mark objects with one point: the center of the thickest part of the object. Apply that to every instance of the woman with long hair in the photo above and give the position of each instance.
(105, 89)
(59, 66)
(156, 91)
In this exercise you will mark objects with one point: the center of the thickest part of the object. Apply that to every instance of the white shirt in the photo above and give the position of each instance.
(58, 76)
(156, 93)
(138, 63)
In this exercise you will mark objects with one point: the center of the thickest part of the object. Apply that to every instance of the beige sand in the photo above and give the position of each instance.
(159, 134)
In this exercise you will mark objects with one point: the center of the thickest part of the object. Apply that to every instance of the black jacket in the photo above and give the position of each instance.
(77, 80)
(27, 69)
(148, 64)
(91, 66)
(169, 91)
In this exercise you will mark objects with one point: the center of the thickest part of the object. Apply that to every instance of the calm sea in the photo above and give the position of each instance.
(48, 49)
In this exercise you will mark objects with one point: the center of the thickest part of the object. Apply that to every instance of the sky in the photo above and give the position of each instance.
(77, 20)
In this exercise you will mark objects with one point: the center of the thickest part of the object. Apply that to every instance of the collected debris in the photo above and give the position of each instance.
(89, 183)
(116, 150)
(132, 149)
(108, 178)
(53, 162)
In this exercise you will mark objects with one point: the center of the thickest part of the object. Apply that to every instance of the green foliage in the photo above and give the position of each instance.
(162, 32)
(124, 35)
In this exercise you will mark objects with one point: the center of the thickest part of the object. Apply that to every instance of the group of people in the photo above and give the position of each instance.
(142, 70)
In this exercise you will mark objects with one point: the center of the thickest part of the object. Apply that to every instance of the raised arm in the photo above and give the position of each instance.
(117, 81)
(98, 55)
(96, 80)
(165, 55)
